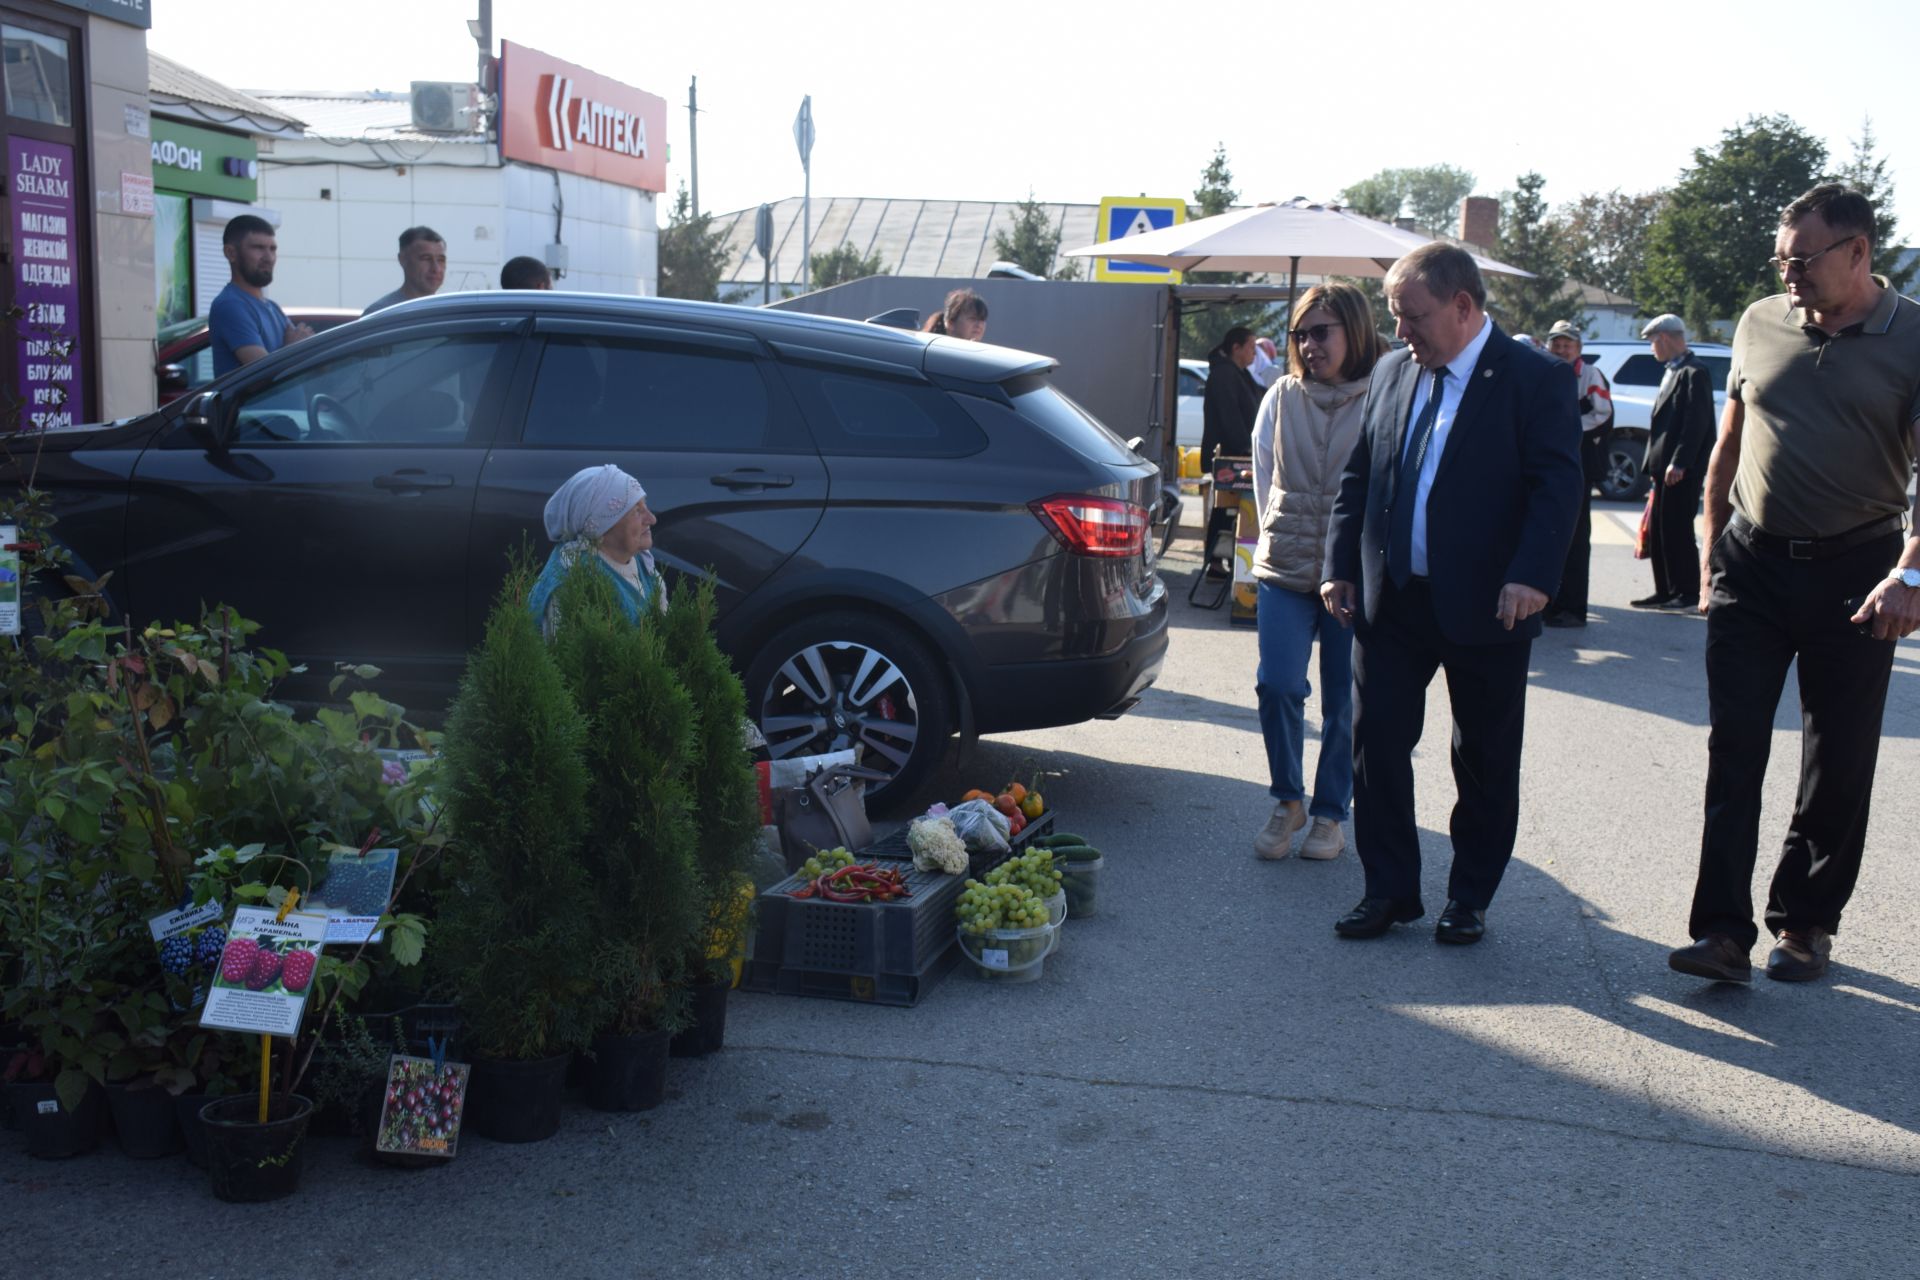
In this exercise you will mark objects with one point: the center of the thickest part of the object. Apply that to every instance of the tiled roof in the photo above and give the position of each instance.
(168, 82)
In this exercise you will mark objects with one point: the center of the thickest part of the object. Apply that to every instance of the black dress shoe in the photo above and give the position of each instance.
(1374, 916)
(1800, 956)
(1461, 926)
(1565, 618)
(1681, 600)
(1715, 956)
(1655, 601)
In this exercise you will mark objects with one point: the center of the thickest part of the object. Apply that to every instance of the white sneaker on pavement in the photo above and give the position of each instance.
(1275, 840)
(1325, 841)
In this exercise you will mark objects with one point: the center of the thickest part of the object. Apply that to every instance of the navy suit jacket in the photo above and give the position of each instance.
(1505, 495)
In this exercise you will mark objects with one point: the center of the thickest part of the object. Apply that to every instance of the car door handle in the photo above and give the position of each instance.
(752, 478)
(412, 482)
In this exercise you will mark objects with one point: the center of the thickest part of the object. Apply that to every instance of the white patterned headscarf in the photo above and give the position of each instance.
(591, 502)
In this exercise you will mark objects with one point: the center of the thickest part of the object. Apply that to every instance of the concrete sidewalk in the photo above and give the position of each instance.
(1207, 1081)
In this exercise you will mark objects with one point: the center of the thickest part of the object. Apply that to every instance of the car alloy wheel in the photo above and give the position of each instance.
(848, 680)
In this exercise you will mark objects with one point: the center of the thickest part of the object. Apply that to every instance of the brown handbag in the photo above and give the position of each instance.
(829, 809)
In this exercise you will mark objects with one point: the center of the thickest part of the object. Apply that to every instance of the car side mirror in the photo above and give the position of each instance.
(202, 421)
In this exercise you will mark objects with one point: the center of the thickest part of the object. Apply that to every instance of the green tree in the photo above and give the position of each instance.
(1530, 239)
(693, 256)
(1867, 174)
(1606, 236)
(843, 263)
(1202, 326)
(1430, 195)
(1707, 250)
(1034, 242)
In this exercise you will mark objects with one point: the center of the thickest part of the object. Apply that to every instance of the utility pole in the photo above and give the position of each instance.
(482, 31)
(693, 139)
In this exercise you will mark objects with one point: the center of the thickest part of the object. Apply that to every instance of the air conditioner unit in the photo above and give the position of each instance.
(445, 106)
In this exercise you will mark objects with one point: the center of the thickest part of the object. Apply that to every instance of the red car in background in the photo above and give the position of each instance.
(183, 351)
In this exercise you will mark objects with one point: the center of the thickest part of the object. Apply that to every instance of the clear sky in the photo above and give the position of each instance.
(1077, 100)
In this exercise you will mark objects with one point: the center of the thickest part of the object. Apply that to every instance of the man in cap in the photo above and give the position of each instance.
(1569, 608)
(1678, 444)
(1809, 558)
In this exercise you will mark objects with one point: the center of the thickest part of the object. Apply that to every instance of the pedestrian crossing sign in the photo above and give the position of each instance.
(1122, 216)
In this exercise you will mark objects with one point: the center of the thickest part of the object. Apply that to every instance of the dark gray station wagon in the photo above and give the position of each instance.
(910, 536)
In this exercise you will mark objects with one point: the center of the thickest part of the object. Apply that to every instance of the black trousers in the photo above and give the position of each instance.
(1394, 660)
(1765, 611)
(1574, 577)
(1674, 552)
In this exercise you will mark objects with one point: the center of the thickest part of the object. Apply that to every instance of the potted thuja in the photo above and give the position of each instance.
(641, 837)
(726, 801)
(516, 928)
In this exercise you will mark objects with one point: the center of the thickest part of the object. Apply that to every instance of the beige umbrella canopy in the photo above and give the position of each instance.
(1321, 240)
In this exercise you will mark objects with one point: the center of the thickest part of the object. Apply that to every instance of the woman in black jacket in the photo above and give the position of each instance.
(1229, 407)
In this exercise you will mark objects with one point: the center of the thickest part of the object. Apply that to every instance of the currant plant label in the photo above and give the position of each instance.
(265, 972)
(421, 1115)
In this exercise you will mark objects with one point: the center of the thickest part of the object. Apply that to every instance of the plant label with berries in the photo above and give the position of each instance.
(9, 581)
(265, 972)
(190, 941)
(174, 924)
(421, 1115)
(355, 893)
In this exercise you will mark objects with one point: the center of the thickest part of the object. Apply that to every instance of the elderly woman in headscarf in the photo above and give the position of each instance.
(602, 511)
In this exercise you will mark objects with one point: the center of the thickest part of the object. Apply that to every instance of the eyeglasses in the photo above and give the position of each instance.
(1783, 265)
(1319, 333)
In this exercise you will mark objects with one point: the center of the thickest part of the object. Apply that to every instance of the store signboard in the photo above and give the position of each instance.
(41, 204)
(561, 116)
(135, 13)
(189, 160)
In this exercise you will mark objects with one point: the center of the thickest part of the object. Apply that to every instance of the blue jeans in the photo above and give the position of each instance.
(1289, 622)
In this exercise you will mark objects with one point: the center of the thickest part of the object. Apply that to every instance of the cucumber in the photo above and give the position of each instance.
(1073, 852)
(1058, 838)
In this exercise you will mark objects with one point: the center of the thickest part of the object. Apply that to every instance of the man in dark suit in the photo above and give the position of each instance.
(1678, 446)
(1448, 538)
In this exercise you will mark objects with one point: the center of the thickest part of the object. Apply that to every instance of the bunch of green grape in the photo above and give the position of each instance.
(998, 906)
(825, 862)
(1033, 870)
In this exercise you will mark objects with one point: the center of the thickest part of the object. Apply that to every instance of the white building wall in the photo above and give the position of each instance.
(341, 222)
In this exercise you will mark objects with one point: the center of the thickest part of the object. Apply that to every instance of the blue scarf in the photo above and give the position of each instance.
(636, 603)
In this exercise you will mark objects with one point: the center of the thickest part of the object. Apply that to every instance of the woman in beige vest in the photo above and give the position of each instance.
(1306, 427)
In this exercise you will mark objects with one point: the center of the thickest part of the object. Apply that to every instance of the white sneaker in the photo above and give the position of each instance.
(1325, 841)
(1275, 840)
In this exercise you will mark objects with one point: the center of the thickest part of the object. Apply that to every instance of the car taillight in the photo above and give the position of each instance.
(1094, 526)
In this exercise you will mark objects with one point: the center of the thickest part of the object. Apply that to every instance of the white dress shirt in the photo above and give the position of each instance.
(1459, 371)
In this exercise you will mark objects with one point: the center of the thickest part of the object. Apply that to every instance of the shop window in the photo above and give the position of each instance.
(426, 391)
(591, 393)
(37, 77)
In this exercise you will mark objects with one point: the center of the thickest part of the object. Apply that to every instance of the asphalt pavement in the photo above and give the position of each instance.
(1207, 1082)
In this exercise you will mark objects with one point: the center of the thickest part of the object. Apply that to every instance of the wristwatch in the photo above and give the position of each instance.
(1907, 577)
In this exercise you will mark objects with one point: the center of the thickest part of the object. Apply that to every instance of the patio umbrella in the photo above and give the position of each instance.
(1324, 240)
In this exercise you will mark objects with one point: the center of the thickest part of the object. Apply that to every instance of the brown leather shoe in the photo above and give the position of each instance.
(1715, 956)
(1800, 955)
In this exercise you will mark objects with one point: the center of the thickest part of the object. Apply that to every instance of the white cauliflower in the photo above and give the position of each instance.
(936, 846)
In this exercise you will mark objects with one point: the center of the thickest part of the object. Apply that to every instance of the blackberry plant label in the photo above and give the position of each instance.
(354, 893)
(265, 972)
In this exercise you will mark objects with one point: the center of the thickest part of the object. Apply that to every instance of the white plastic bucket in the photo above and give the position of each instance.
(1009, 955)
(1080, 883)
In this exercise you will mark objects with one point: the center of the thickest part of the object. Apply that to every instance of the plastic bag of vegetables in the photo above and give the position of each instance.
(983, 828)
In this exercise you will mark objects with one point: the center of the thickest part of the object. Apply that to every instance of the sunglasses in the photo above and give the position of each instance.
(1319, 333)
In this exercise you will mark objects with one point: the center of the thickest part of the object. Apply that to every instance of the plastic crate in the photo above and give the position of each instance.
(895, 846)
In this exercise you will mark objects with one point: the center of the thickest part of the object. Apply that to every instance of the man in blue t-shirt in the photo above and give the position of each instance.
(243, 323)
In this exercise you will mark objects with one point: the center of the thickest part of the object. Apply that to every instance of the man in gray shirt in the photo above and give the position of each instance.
(423, 267)
(1808, 557)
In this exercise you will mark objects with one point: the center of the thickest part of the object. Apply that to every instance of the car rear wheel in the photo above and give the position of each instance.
(854, 680)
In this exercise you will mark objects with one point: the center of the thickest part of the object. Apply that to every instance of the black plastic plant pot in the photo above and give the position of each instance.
(517, 1101)
(249, 1162)
(628, 1073)
(53, 1131)
(143, 1120)
(708, 1031)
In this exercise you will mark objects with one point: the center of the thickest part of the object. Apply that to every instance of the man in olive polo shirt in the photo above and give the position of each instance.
(1807, 556)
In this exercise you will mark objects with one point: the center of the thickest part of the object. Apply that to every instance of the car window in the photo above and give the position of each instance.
(1640, 371)
(416, 391)
(871, 415)
(1719, 367)
(199, 367)
(1058, 415)
(1191, 384)
(593, 391)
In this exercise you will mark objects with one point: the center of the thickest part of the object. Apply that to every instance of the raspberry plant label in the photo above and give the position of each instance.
(265, 972)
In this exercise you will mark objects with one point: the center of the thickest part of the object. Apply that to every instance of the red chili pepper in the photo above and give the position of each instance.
(806, 890)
